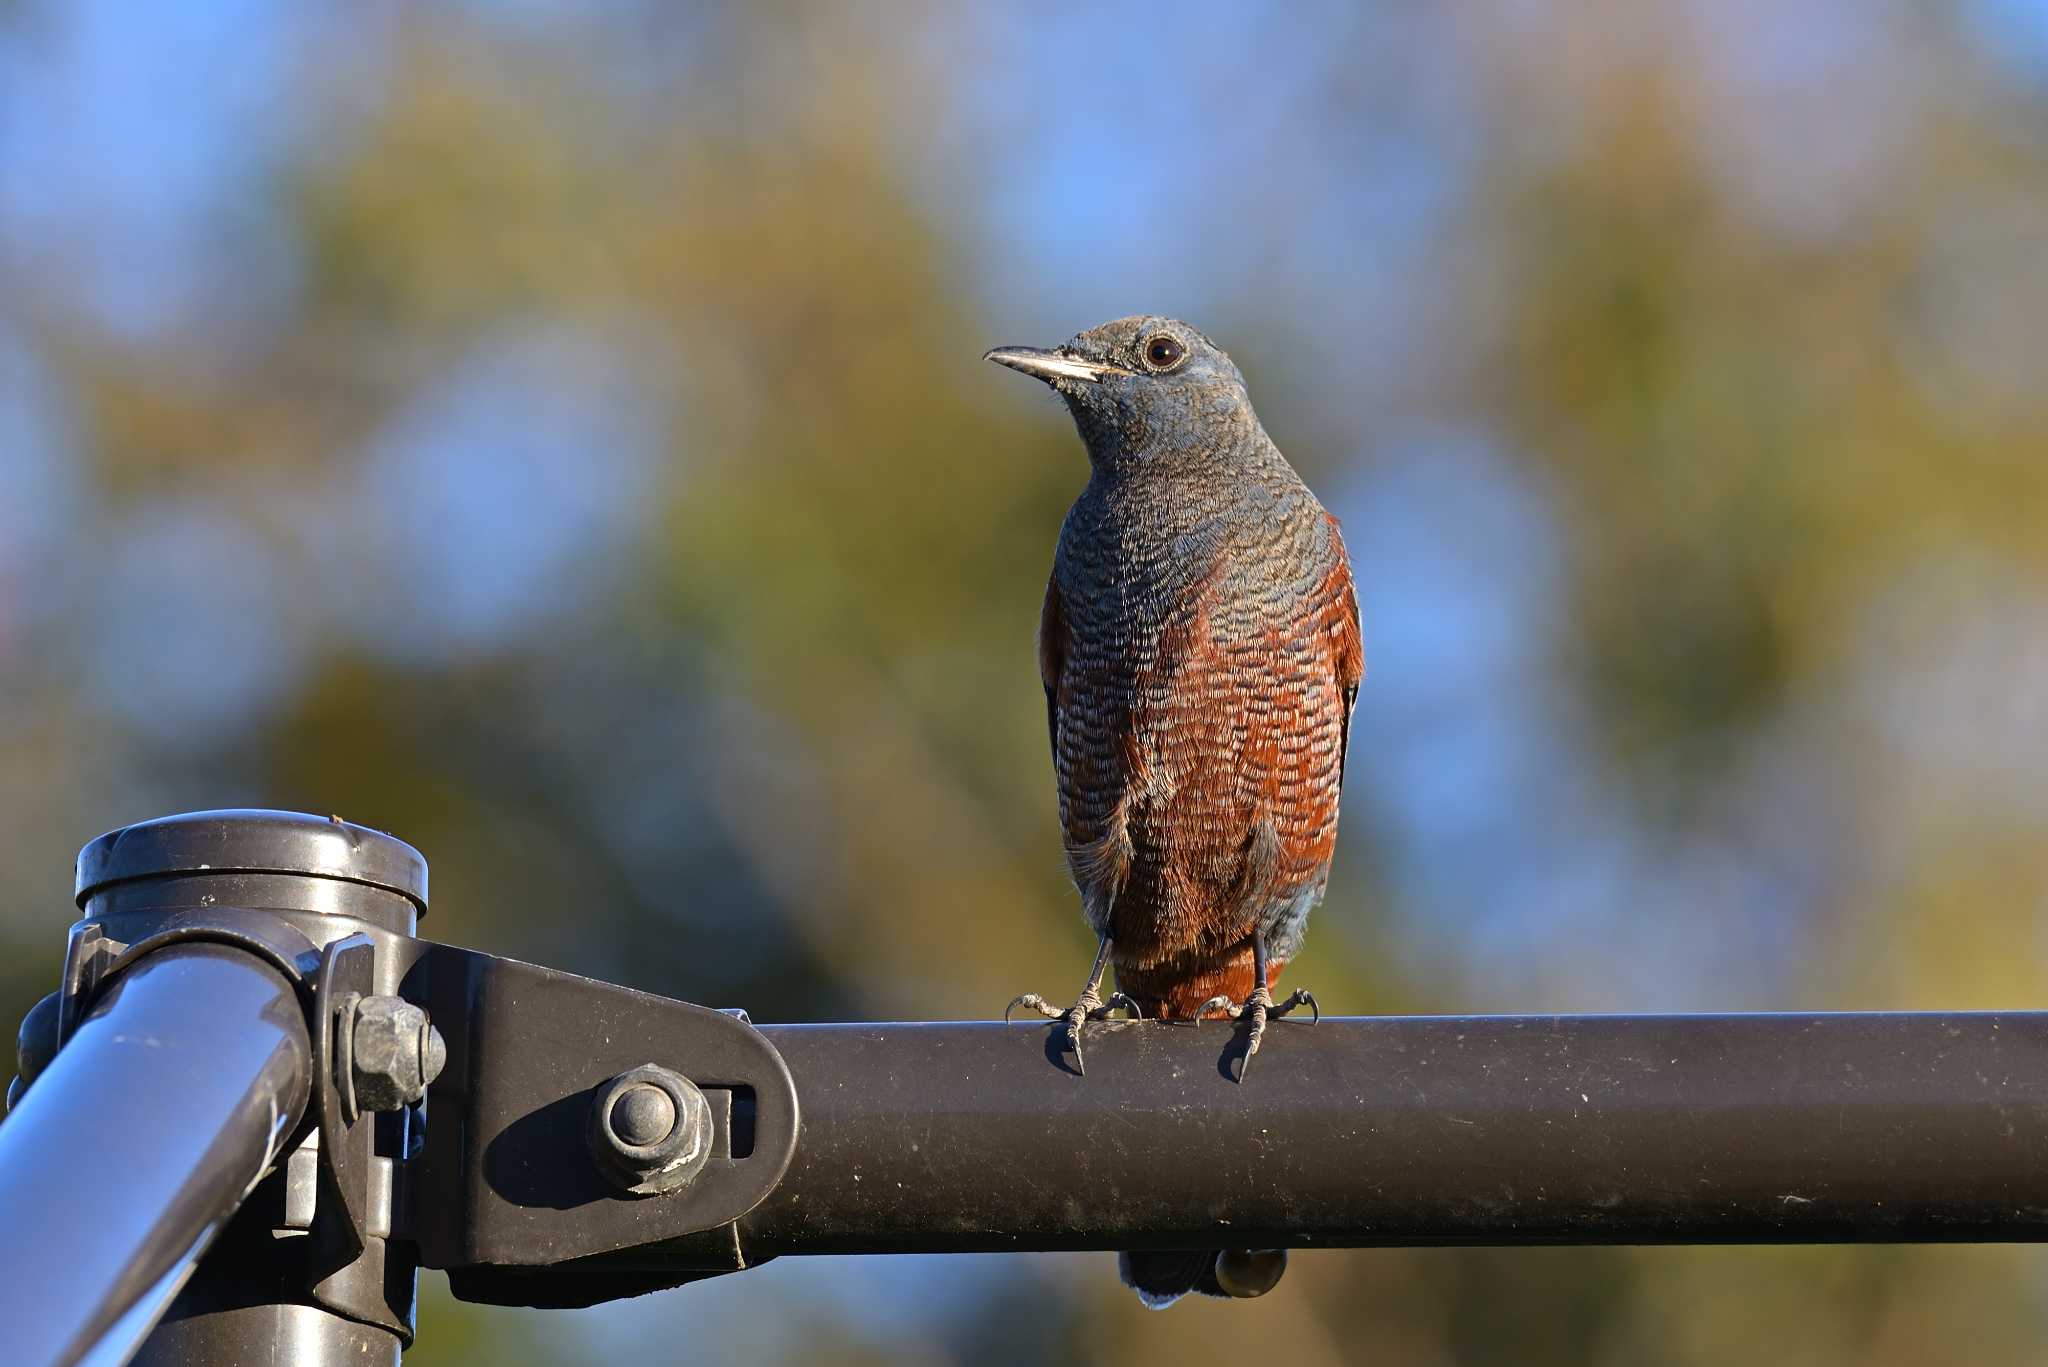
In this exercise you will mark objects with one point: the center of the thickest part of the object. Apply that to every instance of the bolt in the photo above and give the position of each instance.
(650, 1130)
(643, 1115)
(395, 1052)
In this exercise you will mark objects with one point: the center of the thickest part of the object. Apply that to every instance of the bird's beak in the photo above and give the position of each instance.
(1052, 365)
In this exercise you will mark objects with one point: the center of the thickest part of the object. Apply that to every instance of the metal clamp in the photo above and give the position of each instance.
(559, 1156)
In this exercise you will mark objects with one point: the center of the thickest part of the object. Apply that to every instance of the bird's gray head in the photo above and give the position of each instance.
(1144, 391)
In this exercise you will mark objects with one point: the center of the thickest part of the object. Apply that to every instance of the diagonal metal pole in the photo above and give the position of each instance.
(138, 1142)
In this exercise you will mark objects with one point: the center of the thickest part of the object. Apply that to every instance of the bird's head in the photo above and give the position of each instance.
(1143, 387)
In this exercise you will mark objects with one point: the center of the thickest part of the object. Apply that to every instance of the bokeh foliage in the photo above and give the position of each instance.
(762, 727)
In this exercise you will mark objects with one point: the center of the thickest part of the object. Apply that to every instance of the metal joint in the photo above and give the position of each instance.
(550, 1134)
(311, 1256)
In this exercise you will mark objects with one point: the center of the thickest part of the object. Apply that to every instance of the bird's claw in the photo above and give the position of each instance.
(1117, 1001)
(1298, 998)
(1091, 1007)
(1301, 996)
(1259, 1007)
(1032, 1001)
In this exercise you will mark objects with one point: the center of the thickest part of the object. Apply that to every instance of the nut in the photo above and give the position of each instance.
(650, 1130)
(394, 1053)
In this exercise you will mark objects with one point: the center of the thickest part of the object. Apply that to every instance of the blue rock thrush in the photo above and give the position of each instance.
(1200, 651)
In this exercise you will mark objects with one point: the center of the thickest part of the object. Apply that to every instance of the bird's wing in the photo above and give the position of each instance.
(1349, 657)
(1052, 655)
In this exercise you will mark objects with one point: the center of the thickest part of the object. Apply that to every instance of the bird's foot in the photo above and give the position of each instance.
(1091, 1007)
(1257, 1008)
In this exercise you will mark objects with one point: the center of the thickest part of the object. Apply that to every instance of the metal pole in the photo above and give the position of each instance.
(1416, 1130)
(135, 1146)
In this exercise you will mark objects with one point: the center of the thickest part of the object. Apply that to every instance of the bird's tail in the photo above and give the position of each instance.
(1161, 1277)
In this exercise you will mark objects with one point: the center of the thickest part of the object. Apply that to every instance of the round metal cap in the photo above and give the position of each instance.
(250, 840)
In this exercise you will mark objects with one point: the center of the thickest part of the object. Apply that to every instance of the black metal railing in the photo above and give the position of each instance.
(245, 997)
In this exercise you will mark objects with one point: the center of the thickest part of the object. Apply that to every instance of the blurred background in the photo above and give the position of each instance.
(557, 434)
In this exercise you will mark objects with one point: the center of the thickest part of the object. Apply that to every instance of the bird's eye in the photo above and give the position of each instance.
(1164, 353)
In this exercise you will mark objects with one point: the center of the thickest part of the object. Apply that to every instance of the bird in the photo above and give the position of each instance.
(1200, 650)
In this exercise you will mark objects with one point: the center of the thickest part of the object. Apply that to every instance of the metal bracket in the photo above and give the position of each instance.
(347, 1136)
(348, 1248)
(508, 1184)
(94, 954)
